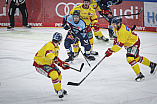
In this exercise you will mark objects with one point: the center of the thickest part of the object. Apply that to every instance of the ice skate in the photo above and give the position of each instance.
(104, 39)
(27, 26)
(9, 28)
(71, 58)
(90, 58)
(153, 68)
(140, 77)
(61, 93)
(94, 53)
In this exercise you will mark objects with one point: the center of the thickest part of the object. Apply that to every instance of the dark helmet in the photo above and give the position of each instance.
(86, 0)
(76, 13)
(116, 20)
(57, 37)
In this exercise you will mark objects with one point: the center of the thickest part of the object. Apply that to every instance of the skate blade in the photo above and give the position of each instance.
(154, 71)
(140, 80)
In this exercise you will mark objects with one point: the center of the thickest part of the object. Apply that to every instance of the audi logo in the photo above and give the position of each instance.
(66, 8)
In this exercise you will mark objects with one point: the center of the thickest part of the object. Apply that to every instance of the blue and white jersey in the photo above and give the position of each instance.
(76, 29)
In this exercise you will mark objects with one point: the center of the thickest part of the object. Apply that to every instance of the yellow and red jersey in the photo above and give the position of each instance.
(46, 54)
(125, 37)
(87, 15)
(95, 5)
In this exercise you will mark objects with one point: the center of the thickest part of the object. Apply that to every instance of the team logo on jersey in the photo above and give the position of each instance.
(69, 19)
(79, 28)
(70, 37)
(91, 14)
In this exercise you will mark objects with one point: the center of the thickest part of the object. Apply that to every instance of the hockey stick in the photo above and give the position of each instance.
(77, 69)
(77, 84)
(85, 58)
(127, 14)
(133, 28)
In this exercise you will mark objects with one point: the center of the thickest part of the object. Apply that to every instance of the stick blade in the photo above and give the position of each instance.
(73, 84)
(140, 10)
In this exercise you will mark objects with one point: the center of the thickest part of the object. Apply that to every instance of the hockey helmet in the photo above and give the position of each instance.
(57, 37)
(76, 13)
(86, 0)
(116, 20)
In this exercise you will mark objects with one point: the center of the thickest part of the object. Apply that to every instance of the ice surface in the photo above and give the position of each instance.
(112, 82)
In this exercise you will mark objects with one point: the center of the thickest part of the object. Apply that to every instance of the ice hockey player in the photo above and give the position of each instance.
(45, 62)
(103, 7)
(76, 33)
(131, 42)
(88, 15)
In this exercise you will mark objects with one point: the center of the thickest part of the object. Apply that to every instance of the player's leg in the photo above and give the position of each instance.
(90, 37)
(87, 47)
(76, 48)
(145, 61)
(24, 13)
(100, 36)
(67, 44)
(132, 53)
(11, 13)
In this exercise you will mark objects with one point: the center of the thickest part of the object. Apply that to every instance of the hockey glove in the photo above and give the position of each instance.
(109, 52)
(55, 59)
(66, 27)
(88, 29)
(96, 27)
(65, 65)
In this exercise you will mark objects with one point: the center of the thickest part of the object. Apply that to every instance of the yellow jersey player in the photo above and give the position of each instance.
(103, 7)
(45, 60)
(88, 15)
(131, 42)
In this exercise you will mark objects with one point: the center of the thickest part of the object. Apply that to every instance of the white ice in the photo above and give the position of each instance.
(112, 82)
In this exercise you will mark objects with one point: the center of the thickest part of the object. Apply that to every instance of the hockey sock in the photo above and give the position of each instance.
(133, 64)
(56, 79)
(143, 60)
(76, 47)
(98, 33)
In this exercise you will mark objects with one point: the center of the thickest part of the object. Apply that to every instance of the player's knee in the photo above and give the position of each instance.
(53, 75)
(91, 40)
(88, 47)
(130, 59)
(67, 45)
(60, 77)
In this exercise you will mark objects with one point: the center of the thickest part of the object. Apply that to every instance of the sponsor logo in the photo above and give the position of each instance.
(140, 28)
(66, 8)
(58, 24)
(32, 24)
(36, 24)
(4, 13)
(132, 10)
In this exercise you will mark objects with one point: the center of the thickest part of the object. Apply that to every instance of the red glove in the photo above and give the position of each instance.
(96, 27)
(63, 64)
(105, 12)
(109, 52)
(115, 41)
(88, 29)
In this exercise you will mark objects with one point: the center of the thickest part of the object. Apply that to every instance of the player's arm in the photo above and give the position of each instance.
(61, 63)
(95, 21)
(118, 43)
(65, 25)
